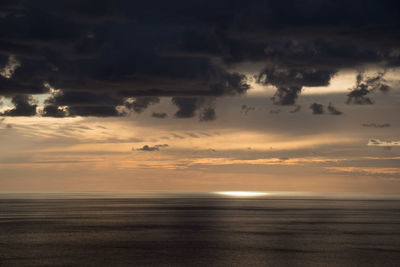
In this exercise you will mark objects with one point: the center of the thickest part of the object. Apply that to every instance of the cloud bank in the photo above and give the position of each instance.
(105, 54)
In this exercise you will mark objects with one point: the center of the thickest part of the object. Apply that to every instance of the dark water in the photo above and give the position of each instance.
(199, 231)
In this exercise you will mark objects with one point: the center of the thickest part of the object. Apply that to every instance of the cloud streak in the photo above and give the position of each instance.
(374, 125)
(150, 148)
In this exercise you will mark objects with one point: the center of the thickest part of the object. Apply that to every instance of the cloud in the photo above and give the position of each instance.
(54, 111)
(8, 70)
(317, 109)
(364, 86)
(286, 96)
(333, 111)
(365, 171)
(178, 136)
(159, 115)
(374, 125)
(274, 111)
(100, 53)
(141, 103)
(187, 106)
(97, 111)
(208, 114)
(244, 110)
(377, 142)
(297, 109)
(24, 106)
(151, 148)
(192, 135)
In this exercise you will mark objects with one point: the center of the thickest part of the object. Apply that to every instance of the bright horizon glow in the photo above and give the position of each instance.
(242, 193)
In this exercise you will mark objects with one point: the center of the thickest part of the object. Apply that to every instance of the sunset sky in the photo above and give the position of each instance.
(200, 96)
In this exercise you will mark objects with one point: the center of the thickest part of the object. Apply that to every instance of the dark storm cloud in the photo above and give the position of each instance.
(317, 109)
(77, 98)
(151, 148)
(159, 115)
(97, 111)
(295, 77)
(99, 53)
(24, 106)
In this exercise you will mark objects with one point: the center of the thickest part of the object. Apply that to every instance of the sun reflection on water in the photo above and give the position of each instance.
(241, 193)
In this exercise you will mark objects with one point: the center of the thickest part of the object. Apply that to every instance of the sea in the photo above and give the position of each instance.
(199, 229)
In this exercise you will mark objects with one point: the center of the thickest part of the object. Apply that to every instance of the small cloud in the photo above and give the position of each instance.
(377, 142)
(150, 148)
(364, 86)
(159, 115)
(333, 111)
(374, 125)
(8, 70)
(317, 109)
(208, 114)
(297, 109)
(244, 110)
(286, 96)
(187, 106)
(274, 111)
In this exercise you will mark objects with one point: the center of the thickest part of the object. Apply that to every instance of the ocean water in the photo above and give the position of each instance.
(198, 230)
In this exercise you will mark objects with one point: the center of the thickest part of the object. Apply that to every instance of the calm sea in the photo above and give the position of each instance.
(198, 230)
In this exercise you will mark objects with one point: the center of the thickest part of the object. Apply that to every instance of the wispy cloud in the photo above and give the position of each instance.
(375, 125)
(365, 170)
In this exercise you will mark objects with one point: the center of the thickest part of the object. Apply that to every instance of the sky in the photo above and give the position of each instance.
(200, 96)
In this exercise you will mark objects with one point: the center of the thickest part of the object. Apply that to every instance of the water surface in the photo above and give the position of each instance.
(198, 230)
